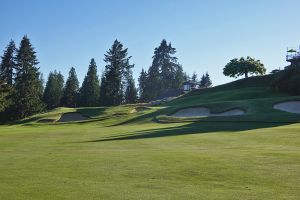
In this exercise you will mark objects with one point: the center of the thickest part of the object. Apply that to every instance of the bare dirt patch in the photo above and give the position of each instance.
(72, 117)
(288, 106)
(205, 112)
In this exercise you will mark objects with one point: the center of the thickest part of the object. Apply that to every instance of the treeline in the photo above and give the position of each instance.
(287, 80)
(204, 81)
(22, 91)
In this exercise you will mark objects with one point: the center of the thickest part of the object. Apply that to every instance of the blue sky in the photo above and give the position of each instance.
(206, 34)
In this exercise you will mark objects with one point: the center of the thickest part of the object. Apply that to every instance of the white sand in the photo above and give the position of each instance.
(139, 109)
(288, 106)
(72, 117)
(205, 112)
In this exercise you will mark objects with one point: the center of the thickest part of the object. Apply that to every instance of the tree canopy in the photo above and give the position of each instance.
(244, 67)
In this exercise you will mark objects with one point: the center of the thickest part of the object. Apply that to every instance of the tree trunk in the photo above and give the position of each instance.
(246, 74)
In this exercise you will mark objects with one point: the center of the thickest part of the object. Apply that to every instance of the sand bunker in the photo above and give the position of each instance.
(139, 109)
(205, 112)
(72, 117)
(46, 121)
(288, 106)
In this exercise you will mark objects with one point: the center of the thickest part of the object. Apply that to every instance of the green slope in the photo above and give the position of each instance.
(252, 95)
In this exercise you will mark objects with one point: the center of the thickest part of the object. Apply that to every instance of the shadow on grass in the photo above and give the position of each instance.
(189, 129)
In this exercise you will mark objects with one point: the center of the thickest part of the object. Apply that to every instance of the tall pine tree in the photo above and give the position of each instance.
(113, 82)
(8, 64)
(27, 96)
(142, 86)
(165, 73)
(71, 90)
(7, 67)
(54, 90)
(205, 81)
(131, 91)
(179, 77)
(89, 92)
(194, 77)
(5, 90)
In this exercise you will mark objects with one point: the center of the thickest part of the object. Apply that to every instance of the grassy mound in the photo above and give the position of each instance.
(251, 95)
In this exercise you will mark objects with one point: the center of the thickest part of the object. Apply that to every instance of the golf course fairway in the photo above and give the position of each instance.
(120, 154)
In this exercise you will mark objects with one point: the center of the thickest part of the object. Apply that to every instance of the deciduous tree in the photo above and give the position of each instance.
(244, 67)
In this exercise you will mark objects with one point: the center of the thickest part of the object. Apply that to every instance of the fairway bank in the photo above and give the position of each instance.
(205, 112)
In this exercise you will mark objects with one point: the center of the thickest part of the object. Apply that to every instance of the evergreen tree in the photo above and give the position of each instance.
(205, 81)
(5, 91)
(113, 82)
(89, 92)
(179, 77)
(142, 86)
(103, 99)
(153, 87)
(7, 67)
(8, 63)
(42, 83)
(54, 90)
(71, 90)
(27, 97)
(194, 77)
(165, 73)
(131, 91)
(208, 82)
(186, 77)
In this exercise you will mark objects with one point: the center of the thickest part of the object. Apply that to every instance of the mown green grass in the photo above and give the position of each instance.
(150, 161)
(118, 154)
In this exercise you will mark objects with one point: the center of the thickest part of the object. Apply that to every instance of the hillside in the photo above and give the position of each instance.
(251, 95)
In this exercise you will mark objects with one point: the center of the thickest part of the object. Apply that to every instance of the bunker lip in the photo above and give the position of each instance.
(72, 117)
(292, 106)
(139, 109)
(205, 112)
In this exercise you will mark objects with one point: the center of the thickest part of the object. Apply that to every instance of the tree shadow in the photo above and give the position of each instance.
(192, 128)
(92, 111)
(141, 117)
